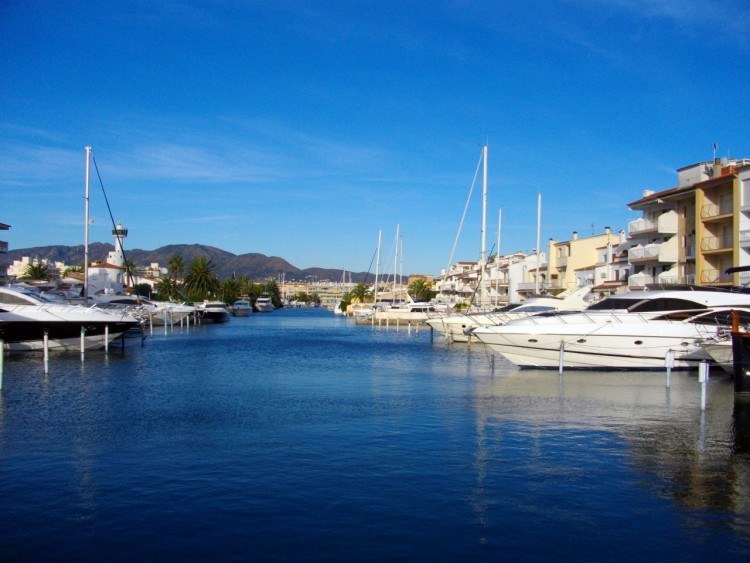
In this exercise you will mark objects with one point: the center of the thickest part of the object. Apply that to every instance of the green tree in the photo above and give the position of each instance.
(421, 290)
(360, 293)
(201, 281)
(129, 269)
(167, 289)
(77, 269)
(176, 267)
(272, 289)
(37, 271)
(245, 286)
(142, 289)
(230, 290)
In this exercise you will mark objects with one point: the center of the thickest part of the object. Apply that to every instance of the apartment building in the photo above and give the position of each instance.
(579, 261)
(692, 233)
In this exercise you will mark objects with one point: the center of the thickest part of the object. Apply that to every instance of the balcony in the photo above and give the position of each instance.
(3, 246)
(662, 253)
(744, 239)
(715, 245)
(665, 224)
(639, 280)
(710, 276)
(713, 211)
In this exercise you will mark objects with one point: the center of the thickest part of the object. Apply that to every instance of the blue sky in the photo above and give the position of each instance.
(300, 129)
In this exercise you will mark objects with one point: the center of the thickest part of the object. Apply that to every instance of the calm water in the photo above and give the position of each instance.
(296, 436)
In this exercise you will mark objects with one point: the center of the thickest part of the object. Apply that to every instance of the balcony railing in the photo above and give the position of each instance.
(641, 225)
(715, 276)
(639, 280)
(665, 224)
(716, 243)
(711, 210)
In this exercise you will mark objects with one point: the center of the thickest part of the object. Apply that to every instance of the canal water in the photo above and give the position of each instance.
(297, 435)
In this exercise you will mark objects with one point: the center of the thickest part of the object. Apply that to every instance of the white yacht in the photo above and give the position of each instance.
(214, 312)
(25, 317)
(242, 308)
(405, 313)
(634, 330)
(156, 313)
(264, 304)
(459, 327)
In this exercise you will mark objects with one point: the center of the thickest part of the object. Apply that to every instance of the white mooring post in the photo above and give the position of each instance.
(669, 364)
(106, 338)
(46, 352)
(165, 322)
(703, 380)
(562, 356)
(83, 343)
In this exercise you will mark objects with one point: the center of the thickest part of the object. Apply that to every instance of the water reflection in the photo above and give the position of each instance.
(698, 459)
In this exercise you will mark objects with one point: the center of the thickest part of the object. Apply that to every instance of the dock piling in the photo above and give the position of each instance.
(703, 380)
(46, 352)
(669, 364)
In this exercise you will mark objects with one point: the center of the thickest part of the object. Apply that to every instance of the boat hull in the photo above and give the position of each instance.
(633, 347)
(23, 336)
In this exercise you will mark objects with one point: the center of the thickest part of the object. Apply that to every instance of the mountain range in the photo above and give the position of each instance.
(257, 267)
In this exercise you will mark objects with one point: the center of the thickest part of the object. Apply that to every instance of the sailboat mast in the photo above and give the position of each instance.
(497, 255)
(483, 258)
(484, 204)
(377, 270)
(86, 231)
(538, 242)
(395, 264)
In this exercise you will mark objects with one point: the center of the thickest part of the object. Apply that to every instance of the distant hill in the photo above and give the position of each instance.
(257, 267)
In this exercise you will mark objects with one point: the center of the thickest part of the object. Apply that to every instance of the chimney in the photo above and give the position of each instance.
(606, 230)
(575, 235)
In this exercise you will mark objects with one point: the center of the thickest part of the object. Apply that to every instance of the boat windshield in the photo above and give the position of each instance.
(533, 309)
(23, 297)
(647, 305)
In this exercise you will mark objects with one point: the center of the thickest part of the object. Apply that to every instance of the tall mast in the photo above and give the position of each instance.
(484, 204)
(497, 255)
(86, 233)
(538, 242)
(483, 258)
(395, 264)
(377, 270)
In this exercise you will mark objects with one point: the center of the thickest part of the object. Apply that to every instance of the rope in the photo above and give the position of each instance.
(463, 217)
(111, 217)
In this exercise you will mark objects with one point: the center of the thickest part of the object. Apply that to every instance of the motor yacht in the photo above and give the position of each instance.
(634, 330)
(26, 316)
(264, 304)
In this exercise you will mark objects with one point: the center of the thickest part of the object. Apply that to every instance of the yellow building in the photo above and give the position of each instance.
(565, 258)
(693, 233)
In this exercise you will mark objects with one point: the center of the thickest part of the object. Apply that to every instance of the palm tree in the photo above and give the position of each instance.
(359, 293)
(167, 289)
(129, 268)
(421, 290)
(230, 290)
(176, 266)
(78, 269)
(37, 271)
(201, 281)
